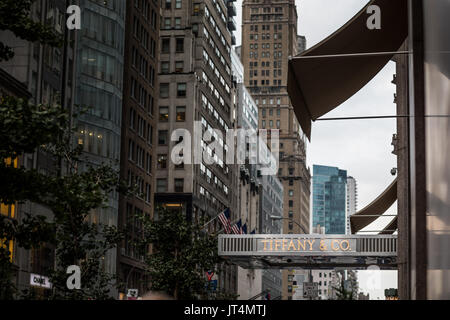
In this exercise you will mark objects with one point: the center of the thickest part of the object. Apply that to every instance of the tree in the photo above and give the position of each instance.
(72, 196)
(181, 253)
(15, 17)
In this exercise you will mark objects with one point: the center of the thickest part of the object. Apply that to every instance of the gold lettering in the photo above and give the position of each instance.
(291, 244)
(301, 245)
(323, 246)
(347, 248)
(277, 243)
(332, 245)
(311, 244)
(284, 244)
(265, 244)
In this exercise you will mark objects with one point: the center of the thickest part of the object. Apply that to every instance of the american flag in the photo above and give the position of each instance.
(224, 218)
(237, 227)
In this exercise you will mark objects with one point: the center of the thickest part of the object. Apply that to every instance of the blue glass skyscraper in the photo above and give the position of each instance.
(329, 188)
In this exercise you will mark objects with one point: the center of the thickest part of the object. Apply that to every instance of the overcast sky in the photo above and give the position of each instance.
(362, 147)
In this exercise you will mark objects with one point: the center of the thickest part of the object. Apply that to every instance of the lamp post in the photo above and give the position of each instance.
(282, 218)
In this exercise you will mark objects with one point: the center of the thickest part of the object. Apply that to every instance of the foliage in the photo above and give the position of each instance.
(181, 253)
(342, 293)
(15, 17)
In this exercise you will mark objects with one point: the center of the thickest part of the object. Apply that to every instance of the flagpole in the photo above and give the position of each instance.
(212, 219)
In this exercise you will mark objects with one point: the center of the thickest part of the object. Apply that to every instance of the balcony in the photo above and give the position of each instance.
(232, 12)
(231, 24)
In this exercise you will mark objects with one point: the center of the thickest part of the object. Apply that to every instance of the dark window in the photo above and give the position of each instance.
(165, 45)
(181, 90)
(179, 45)
(162, 137)
(162, 161)
(164, 90)
(179, 185)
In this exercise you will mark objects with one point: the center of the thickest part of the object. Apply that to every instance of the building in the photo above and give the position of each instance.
(195, 86)
(329, 199)
(99, 86)
(269, 37)
(249, 281)
(422, 91)
(271, 208)
(352, 201)
(301, 42)
(140, 100)
(45, 75)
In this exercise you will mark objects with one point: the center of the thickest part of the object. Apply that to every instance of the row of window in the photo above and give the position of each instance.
(266, 54)
(147, 11)
(264, 83)
(161, 185)
(266, 36)
(212, 65)
(168, 4)
(216, 50)
(180, 114)
(254, 64)
(138, 155)
(140, 94)
(144, 37)
(211, 177)
(265, 73)
(141, 64)
(213, 23)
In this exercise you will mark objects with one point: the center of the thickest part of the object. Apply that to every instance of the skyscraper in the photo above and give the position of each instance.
(269, 37)
(352, 201)
(99, 86)
(195, 86)
(329, 199)
(138, 125)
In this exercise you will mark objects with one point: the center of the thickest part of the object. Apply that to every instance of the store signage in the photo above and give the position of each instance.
(37, 280)
(307, 245)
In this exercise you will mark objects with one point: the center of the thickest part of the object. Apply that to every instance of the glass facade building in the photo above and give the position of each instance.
(329, 198)
(99, 86)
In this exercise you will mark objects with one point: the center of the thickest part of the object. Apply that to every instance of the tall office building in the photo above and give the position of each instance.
(195, 87)
(352, 201)
(46, 75)
(138, 125)
(269, 37)
(329, 199)
(99, 86)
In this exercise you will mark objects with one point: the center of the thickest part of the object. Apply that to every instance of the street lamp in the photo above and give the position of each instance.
(282, 218)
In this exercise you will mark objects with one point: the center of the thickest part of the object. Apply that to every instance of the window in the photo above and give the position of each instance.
(291, 226)
(291, 214)
(163, 114)
(181, 114)
(178, 4)
(162, 137)
(291, 171)
(181, 90)
(168, 4)
(165, 45)
(291, 203)
(179, 66)
(167, 23)
(165, 67)
(161, 185)
(179, 184)
(162, 161)
(179, 45)
(164, 90)
(177, 23)
(291, 182)
(291, 193)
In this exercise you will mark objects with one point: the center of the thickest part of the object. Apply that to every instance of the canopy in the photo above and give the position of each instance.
(328, 74)
(373, 211)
